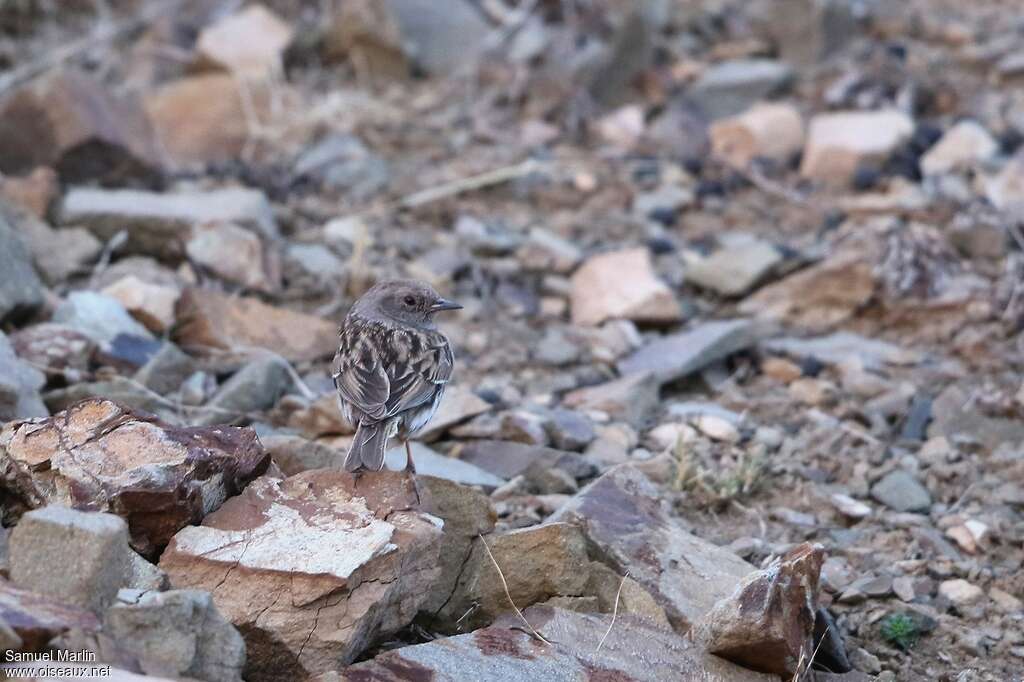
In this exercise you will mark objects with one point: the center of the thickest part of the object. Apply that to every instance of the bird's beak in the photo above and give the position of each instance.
(444, 304)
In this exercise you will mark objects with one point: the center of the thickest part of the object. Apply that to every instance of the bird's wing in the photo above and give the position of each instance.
(383, 372)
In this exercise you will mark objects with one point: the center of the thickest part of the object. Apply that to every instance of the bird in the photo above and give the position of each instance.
(391, 368)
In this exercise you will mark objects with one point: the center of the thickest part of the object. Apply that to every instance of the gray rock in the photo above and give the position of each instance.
(547, 252)
(102, 318)
(431, 463)
(833, 349)
(955, 416)
(570, 430)
(158, 224)
(4, 558)
(255, 387)
(735, 270)
(146, 576)
(80, 558)
(119, 389)
(430, 28)
(632, 398)
(21, 292)
(343, 162)
(808, 31)
(178, 634)
(313, 261)
(295, 454)
(167, 370)
(665, 198)
(733, 86)
(507, 460)
(676, 356)
(899, 490)
(19, 386)
(556, 348)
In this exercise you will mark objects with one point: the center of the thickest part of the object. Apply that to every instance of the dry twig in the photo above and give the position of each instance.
(473, 182)
(615, 613)
(509, 594)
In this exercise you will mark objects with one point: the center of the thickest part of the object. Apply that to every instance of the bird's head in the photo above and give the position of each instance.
(407, 301)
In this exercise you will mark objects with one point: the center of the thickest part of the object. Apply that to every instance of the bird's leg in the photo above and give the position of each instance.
(409, 464)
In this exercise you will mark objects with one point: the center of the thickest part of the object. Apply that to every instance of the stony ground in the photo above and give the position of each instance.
(736, 276)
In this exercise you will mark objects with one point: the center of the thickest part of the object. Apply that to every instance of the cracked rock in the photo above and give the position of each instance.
(313, 568)
(99, 455)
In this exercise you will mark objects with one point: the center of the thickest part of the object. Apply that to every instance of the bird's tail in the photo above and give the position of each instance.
(367, 450)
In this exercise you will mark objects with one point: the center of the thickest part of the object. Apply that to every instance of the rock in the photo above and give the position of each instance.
(150, 304)
(459, 404)
(767, 624)
(548, 252)
(953, 419)
(965, 144)
(313, 267)
(467, 514)
(735, 270)
(626, 518)
(508, 651)
(632, 398)
(839, 143)
(538, 563)
(36, 619)
(899, 490)
(249, 43)
(765, 131)
(311, 570)
(178, 634)
(294, 454)
(430, 463)
(668, 199)
(33, 192)
(343, 163)
(21, 292)
(806, 32)
(255, 387)
(58, 254)
(818, 297)
(1006, 189)
(145, 576)
(849, 507)
(507, 460)
(158, 224)
(79, 558)
(717, 428)
(211, 321)
(236, 255)
(100, 317)
(204, 119)
(621, 284)
(960, 592)
(166, 370)
(679, 355)
(76, 125)
(730, 87)
(844, 347)
(54, 347)
(100, 456)
(570, 430)
(1006, 602)
(20, 384)
(903, 587)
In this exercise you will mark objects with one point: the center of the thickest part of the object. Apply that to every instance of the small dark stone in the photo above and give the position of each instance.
(128, 352)
(665, 216)
(811, 366)
(710, 188)
(661, 245)
(1010, 141)
(489, 395)
(919, 415)
(693, 165)
(829, 645)
(866, 177)
(833, 219)
(897, 50)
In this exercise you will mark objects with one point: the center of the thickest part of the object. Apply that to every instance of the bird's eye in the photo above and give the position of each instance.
(409, 301)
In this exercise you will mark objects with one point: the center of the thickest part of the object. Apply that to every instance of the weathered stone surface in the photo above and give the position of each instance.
(75, 124)
(212, 321)
(508, 459)
(255, 387)
(624, 515)
(466, 515)
(734, 270)
(295, 454)
(166, 370)
(36, 619)
(430, 463)
(54, 347)
(99, 456)
(249, 43)
(150, 304)
(819, 297)
(79, 558)
(899, 490)
(235, 255)
(730, 87)
(682, 354)
(621, 284)
(507, 652)
(767, 624)
(146, 576)
(33, 192)
(540, 562)
(838, 143)
(632, 398)
(158, 224)
(57, 254)
(766, 131)
(840, 347)
(963, 145)
(20, 383)
(21, 292)
(459, 404)
(177, 634)
(100, 317)
(312, 568)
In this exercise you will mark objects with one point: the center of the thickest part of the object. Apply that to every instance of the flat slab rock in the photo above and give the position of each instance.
(37, 619)
(101, 456)
(624, 515)
(633, 651)
(313, 568)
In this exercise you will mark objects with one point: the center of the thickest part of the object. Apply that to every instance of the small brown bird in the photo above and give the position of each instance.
(391, 368)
